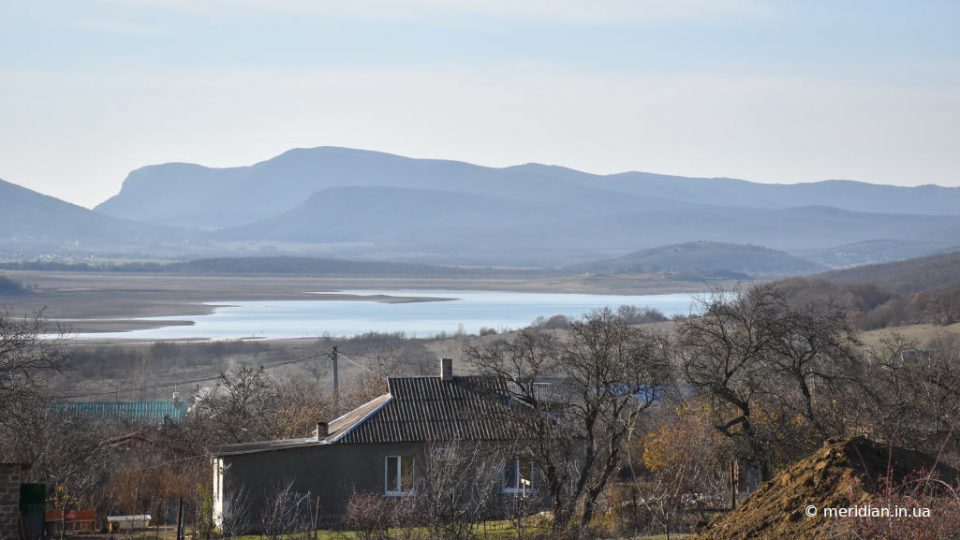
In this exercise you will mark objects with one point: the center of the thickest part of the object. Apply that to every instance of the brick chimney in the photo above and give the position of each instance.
(446, 369)
(322, 431)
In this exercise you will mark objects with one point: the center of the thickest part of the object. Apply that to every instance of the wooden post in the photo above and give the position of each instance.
(63, 511)
(733, 485)
(157, 521)
(316, 517)
(180, 519)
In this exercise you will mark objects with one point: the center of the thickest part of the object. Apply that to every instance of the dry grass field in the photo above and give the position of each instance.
(918, 332)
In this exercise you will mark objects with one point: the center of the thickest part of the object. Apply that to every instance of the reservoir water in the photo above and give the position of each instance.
(450, 311)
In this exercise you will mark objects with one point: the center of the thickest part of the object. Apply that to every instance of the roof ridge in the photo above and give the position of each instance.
(381, 396)
(358, 423)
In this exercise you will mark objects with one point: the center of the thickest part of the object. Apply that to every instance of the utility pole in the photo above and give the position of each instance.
(336, 378)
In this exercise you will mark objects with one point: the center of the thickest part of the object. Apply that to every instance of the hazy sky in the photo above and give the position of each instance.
(764, 90)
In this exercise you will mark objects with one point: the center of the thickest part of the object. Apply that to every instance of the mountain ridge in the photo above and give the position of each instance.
(342, 202)
(32, 220)
(301, 172)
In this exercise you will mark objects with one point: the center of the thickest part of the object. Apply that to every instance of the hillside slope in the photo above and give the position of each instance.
(709, 259)
(904, 277)
(448, 226)
(35, 222)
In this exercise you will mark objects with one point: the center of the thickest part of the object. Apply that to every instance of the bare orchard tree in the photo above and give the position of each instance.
(368, 516)
(678, 468)
(67, 453)
(24, 357)
(909, 395)
(241, 407)
(456, 486)
(285, 511)
(773, 370)
(724, 352)
(582, 395)
(940, 369)
(236, 514)
(814, 355)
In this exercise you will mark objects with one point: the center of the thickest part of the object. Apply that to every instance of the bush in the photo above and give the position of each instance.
(916, 495)
(368, 517)
(557, 322)
(640, 315)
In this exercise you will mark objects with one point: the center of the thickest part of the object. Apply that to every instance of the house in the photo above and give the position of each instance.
(376, 448)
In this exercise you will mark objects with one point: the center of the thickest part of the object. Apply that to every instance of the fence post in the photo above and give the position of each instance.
(733, 485)
(180, 519)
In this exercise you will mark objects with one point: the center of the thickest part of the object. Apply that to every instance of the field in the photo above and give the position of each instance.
(918, 332)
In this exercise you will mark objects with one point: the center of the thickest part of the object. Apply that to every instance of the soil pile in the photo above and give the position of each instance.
(842, 474)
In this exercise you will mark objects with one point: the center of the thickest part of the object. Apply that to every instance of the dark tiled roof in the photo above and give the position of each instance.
(336, 428)
(417, 409)
(427, 409)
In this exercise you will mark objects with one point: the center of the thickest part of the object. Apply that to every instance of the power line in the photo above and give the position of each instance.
(354, 362)
(168, 384)
(176, 383)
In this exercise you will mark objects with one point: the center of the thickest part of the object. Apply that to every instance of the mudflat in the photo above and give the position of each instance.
(83, 300)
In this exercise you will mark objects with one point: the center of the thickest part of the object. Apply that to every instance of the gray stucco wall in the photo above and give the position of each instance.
(332, 472)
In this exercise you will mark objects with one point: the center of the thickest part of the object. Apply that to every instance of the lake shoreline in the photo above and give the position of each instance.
(414, 313)
(116, 296)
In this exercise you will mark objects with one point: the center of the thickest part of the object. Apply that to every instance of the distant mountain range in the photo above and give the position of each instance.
(344, 203)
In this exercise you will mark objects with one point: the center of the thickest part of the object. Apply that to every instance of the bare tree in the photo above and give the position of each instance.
(678, 468)
(25, 355)
(368, 516)
(814, 356)
(909, 394)
(456, 487)
(724, 353)
(285, 511)
(604, 373)
(235, 519)
(241, 404)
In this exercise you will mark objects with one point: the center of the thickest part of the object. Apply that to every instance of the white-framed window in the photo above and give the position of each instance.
(398, 475)
(518, 475)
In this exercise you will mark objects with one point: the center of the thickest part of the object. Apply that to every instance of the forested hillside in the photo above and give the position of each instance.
(922, 290)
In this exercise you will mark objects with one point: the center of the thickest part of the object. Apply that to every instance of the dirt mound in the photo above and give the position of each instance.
(842, 474)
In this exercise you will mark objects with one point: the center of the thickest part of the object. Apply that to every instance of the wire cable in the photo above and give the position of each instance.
(176, 383)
